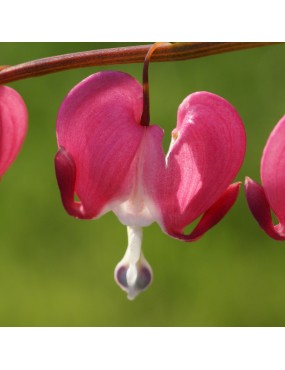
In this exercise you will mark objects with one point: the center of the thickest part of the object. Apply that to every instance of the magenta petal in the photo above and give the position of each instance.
(66, 175)
(206, 152)
(13, 126)
(273, 170)
(260, 208)
(213, 215)
(98, 125)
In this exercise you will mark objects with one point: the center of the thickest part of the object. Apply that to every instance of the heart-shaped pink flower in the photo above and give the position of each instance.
(13, 126)
(113, 163)
(261, 199)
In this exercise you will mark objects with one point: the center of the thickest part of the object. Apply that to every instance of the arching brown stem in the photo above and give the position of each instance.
(122, 55)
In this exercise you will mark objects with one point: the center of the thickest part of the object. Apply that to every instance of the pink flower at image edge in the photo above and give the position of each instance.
(13, 126)
(270, 196)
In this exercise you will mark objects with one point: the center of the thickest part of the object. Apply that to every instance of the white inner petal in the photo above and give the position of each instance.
(138, 209)
(132, 275)
(134, 211)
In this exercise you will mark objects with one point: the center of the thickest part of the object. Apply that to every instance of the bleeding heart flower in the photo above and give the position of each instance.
(261, 199)
(13, 126)
(113, 163)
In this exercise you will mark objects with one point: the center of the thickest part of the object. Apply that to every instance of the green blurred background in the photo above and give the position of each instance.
(58, 271)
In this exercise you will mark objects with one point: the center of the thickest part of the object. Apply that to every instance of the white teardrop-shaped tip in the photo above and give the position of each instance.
(133, 273)
(133, 279)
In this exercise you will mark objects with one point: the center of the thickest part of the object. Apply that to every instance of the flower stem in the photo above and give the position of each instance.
(122, 55)
(145, 118)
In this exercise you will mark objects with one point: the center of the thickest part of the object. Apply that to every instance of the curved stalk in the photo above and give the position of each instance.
(122, 55)
(146, 114)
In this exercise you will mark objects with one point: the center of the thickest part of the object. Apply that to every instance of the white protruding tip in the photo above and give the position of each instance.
(133, 273)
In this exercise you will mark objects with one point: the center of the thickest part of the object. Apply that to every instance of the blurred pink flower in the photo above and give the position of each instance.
(270, 196)
(13, 126)
(113, 163)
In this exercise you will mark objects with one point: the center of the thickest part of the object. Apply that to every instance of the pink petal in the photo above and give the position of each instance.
(260, 208)
(206, 152)
(214, 214)
(66, 176)
(273, 170)
(13, 126)
(98, 126)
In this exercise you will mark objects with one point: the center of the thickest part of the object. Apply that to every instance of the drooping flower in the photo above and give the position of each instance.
(13, 126)
(270, 196)
(113, 163)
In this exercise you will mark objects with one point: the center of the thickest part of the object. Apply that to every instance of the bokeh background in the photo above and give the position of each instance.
(58, 271)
